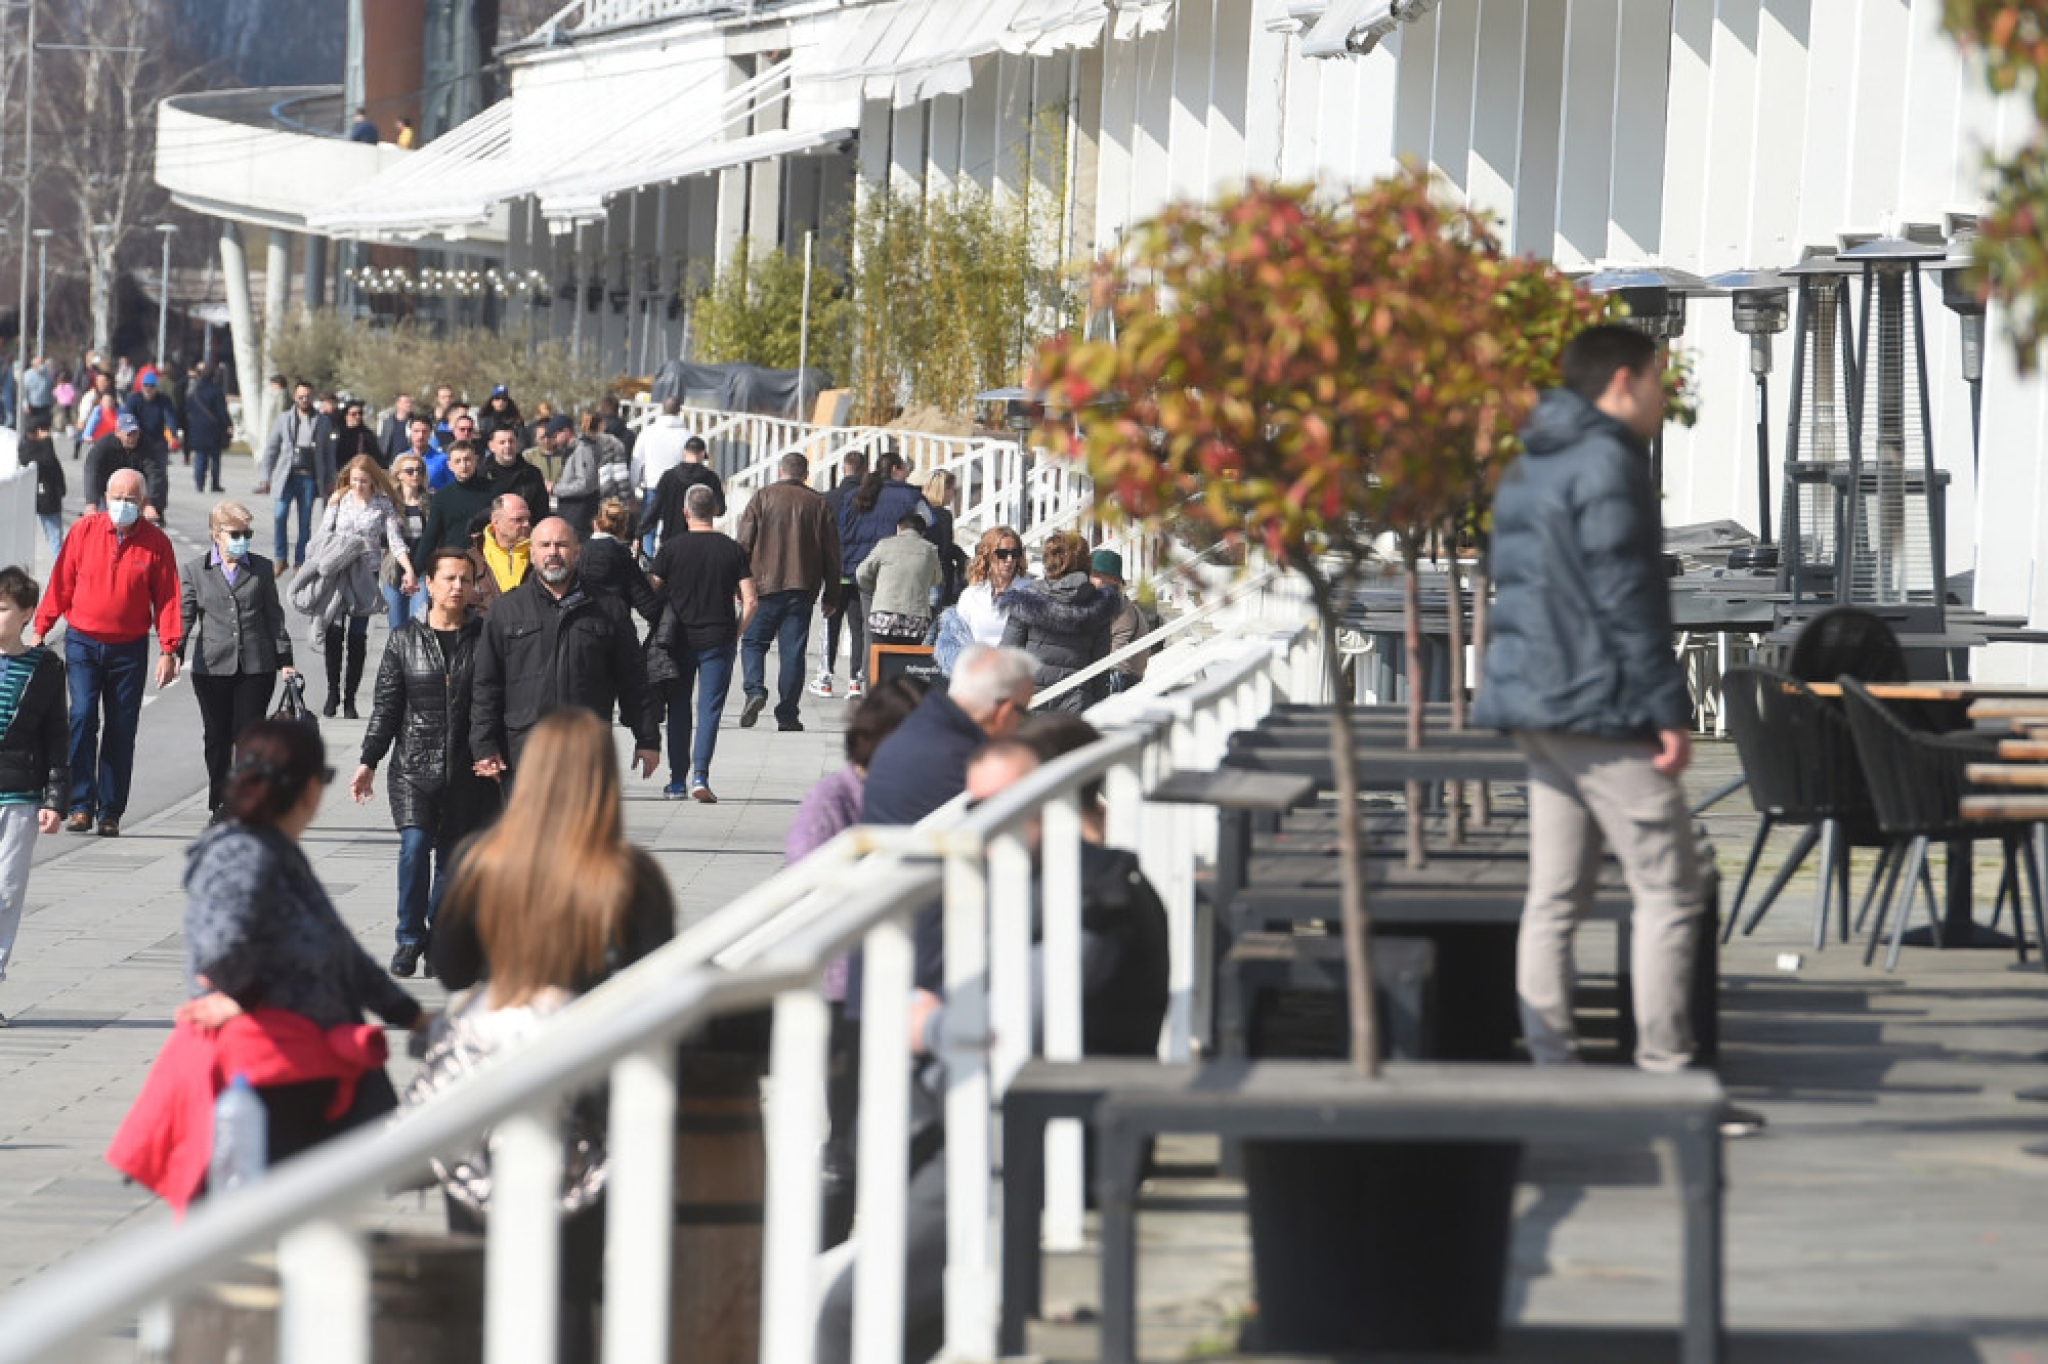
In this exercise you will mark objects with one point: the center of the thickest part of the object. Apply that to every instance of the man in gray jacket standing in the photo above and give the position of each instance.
(1580, 668)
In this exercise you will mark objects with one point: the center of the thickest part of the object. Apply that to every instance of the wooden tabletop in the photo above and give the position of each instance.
(2017, 784)
(1980, 693)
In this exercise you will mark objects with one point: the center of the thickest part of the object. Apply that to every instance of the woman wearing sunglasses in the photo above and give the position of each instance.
(998, 562)
(235, 633)
(412, 500)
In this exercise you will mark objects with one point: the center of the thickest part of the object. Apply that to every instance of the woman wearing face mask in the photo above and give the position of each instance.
(235, 632)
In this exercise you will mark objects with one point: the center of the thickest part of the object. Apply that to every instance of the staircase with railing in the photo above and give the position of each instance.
(769, 947)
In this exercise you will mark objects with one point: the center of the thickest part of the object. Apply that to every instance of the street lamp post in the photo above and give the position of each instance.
(42, 235)
(163, 298)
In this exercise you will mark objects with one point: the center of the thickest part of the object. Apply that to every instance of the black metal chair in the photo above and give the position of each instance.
(1800, 761)
(1917, 784)
(1847, 640)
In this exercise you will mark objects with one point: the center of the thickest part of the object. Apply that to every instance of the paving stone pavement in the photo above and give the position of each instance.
(100, 958)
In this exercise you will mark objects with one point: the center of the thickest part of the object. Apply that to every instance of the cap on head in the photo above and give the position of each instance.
(559, 423)
(147, 378)
(125, 424)
(500, 392)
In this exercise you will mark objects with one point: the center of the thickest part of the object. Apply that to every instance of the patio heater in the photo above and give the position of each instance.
(1655, 296)
(1762, 302)
(1819, 429)
(1893, 550)
(1959, 293)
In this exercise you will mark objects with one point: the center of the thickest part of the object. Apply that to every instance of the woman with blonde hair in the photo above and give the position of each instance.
(941, 492)
(235, 634)
(997, 563)
(361, 525)
(540, 907)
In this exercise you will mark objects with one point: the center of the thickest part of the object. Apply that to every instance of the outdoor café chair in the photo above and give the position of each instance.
(1917, 784)
(1847, 640)
(1800, 761)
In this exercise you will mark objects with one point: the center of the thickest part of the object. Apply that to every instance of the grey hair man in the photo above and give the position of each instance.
(924, 763)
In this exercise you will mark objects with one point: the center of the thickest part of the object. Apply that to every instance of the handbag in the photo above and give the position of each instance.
(293, 707)
(465, 1037)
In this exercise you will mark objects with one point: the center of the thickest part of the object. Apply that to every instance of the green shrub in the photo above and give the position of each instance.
(377, 362)
(753, 314)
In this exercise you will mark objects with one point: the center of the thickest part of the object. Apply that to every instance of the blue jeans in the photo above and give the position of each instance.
(647, 536)
(103, 678)
(708, 672)
(296, 489)
(202, 461)
(397, 606)
(53, 531)
(419, 894)
(785, 618)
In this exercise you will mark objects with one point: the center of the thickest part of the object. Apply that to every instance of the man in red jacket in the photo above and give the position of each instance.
(115, 575)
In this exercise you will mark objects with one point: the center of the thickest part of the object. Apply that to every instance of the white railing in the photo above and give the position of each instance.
(863, 889)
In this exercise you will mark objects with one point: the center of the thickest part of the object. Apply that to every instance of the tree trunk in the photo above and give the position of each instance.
(1482, 606)
(99, 264)
(1454, 599)
(1418, 692)
(1357, 917)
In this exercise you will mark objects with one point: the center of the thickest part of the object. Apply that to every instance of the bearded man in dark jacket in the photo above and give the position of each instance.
(549, 644)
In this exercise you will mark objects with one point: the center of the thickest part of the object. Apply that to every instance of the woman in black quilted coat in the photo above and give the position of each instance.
(1062, 620)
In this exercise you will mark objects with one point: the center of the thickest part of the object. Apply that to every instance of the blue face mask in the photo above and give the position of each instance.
(238, 547)
(123, 513)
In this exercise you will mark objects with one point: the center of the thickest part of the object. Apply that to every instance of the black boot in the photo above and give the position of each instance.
(333, 656)
(357, 644)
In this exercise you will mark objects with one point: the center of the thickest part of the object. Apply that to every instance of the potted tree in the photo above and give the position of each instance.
(1307, 373)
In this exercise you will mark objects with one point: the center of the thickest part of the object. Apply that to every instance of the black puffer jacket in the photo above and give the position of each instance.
(420, 716)
(538, 655)
(1581, 625)
(35, 752)
(1064, 624)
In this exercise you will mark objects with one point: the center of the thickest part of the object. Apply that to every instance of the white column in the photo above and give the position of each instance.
(1238, 39)
(1115, 145)
(1642, 44)
(907, 150)
(1450, 133)
(1536, 159)
(1586, 144)
(1193, 30)
(942, 171)
(1414, 50)
(764, 208)
(1154, 142)
(234, 268)
(1492, 170)
(277, 283)
(733, 183)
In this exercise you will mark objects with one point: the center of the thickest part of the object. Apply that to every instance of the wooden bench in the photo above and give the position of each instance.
(1310, 1101)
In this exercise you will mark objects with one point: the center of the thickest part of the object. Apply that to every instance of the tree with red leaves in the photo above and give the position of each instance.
(1307, 374)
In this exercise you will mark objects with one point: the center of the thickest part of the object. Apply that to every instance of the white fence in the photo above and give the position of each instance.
(1001, 482)
(769, 947)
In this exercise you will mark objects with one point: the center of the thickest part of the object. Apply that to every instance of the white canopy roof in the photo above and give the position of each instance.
(914, 50)
(572, 167)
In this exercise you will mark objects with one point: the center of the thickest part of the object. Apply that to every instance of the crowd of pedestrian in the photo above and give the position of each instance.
(542, 578)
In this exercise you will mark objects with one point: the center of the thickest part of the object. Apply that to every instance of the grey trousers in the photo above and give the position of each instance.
(1582, 790)
(17, 844)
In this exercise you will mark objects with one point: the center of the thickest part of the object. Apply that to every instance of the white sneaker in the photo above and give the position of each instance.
(822, 685)
(855, 690)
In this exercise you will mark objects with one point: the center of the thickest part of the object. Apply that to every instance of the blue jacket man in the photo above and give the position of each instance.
(1581, 670)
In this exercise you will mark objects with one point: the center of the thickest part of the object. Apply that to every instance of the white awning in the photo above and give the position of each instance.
(915, 50)
(464, 177)
(451, 183)
(1349, 27)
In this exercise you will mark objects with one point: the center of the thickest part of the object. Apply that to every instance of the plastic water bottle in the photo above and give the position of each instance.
(241, 1138)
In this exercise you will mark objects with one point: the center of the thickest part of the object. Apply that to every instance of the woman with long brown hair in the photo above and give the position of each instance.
(998, 561)
(541, 907)
(552, 895)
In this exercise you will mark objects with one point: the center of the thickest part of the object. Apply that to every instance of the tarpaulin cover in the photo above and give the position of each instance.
(742, 388)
